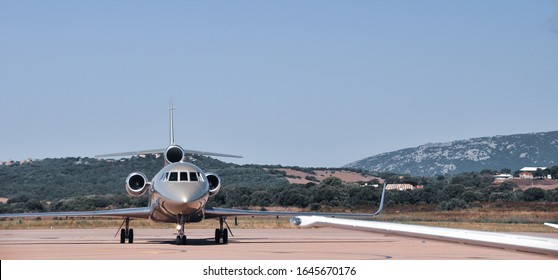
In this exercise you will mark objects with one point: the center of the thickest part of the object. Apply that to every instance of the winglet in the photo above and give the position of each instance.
(381, 208)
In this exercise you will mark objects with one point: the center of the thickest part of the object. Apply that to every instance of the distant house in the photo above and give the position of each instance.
(502, 177)
(526, 175)
(529, 172)
(532, 169)
(399, 187)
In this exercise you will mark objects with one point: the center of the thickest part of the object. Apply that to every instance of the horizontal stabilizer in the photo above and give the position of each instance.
(129, 154)
(193, 152)
(162, 151)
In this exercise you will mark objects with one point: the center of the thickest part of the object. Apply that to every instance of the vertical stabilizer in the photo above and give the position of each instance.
(171, 115)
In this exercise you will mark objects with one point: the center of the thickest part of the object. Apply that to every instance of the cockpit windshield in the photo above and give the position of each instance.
(182, 176)
(193, 176)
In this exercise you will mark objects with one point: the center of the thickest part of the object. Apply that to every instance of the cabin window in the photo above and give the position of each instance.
(183, 176)
(173, 176)
(193, 176)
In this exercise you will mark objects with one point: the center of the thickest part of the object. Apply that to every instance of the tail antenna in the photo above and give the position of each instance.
(171, 113)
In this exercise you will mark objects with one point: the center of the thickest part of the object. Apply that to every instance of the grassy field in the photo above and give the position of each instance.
(510, 217)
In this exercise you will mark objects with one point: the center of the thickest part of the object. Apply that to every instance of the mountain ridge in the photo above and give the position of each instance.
(475, 154)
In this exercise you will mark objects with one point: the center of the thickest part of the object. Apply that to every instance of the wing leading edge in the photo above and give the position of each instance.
(533, 244)
(211, 213)
(142, 212)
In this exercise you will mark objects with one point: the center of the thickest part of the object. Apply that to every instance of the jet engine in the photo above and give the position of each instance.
(174, 154)
(214, 183)
(137, 184)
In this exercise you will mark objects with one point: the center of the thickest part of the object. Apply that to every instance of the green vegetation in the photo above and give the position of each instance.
(74, 184)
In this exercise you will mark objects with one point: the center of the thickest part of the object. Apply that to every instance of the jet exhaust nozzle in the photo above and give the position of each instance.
(174, 154)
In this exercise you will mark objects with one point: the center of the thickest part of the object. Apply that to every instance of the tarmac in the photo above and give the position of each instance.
(247, 244)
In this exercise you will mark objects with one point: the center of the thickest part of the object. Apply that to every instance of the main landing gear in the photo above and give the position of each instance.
(221, 233)
(126, 233)
(181, 237)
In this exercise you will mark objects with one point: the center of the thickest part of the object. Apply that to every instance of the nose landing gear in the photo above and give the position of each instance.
(181, 237)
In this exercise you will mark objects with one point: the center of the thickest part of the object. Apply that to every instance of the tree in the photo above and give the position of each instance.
(471, 196)
(508, 185)
(293, 197)
(262, 198)
(332, 181)
(34, 205)
(539, 173)
(452, 204)
(533, 194)
(454, 191)
(19, 198)
(505, 171)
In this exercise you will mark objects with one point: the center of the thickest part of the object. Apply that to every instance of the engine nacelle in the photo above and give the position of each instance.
(174, 154)
(214, 183)
(137, 184)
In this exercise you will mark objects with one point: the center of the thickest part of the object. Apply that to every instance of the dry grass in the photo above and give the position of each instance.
(90, 223)
(511, 217)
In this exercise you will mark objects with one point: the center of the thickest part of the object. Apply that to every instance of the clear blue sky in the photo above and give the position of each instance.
(308, 83)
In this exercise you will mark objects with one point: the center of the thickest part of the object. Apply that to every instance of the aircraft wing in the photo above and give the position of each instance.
(211, 212)
(132, 153)
(551, 225)
(142, 212)
(541, 245)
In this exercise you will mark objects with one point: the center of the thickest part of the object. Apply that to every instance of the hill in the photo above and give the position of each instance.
(60, 178)
(69, 177)
(476, 154)
(77, 184)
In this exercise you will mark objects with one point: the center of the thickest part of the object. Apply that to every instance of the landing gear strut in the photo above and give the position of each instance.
(221, 233)
(126, 233)
(181, 237)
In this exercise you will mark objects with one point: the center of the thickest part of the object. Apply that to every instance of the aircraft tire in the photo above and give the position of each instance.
(225, 236)
(131, 236)
(178, 240)
(217, 236)
(183, 240)
(122, 236)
